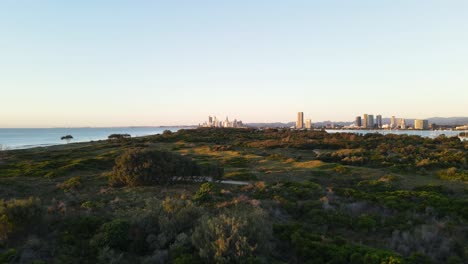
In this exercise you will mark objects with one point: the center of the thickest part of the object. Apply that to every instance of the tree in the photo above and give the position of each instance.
(67, 138)
(149, 167)
(119, 136)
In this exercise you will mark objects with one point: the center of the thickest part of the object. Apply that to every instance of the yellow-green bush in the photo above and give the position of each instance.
(17, 214)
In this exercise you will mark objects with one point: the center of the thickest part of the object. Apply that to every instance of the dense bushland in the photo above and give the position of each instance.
(312, 197)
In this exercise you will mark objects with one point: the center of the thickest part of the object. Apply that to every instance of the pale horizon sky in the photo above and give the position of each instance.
(150, 63)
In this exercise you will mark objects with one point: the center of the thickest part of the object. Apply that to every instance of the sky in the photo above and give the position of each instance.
(148, 63)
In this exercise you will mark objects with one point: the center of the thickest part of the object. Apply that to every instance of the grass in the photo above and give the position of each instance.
(313, 164)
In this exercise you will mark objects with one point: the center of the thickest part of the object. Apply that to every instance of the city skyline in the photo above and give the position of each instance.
(154, 63)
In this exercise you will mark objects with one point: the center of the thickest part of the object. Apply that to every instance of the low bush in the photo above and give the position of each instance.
(454, 174)
(18, 214)
(148, 167)
(204, 194)
(114, 234)
(70, 184)
(241, 176)
(238, 237)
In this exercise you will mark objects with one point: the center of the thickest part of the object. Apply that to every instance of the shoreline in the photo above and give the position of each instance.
(42, 140)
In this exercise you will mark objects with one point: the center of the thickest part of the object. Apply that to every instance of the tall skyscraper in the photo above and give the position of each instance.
(365, 121)
(393, 122)
(308, 123)
(300, 120)
(370, 121)
(358, 121)
(421, 124)
(379, 121)
(402, 123)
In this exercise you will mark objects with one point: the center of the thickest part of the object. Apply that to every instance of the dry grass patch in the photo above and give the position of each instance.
(312, 164)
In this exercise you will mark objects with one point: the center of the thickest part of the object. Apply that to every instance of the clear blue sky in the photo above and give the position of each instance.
(113, 63)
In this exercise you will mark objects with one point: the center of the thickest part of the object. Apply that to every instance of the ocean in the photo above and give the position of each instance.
(21, 138)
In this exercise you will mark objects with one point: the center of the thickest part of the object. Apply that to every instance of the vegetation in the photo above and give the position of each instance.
(311, 197)
(119, 136)
(67, 138)
(138, 167)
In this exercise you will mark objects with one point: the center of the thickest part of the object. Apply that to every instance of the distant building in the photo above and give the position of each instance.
(421, 124)
(308, 123)
(393, 122)
(358, 121)
(370, 121)
(300, 120)
(402, 123)
(378, 120)
(365, 121)
(214, 122)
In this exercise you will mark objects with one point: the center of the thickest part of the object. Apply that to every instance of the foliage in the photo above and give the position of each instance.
(232, 238)
(144, 167)
(74, 235)
(18, 214)
(312, 248)
(453, 174)
(114, 234)
(72, 183)
(67, 138)
(204, 193)
(8, 255)
(119, 136)
(333, 198)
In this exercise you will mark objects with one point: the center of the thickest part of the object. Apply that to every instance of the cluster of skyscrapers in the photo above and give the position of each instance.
(300, 122)
(368, 122)
(214, 122)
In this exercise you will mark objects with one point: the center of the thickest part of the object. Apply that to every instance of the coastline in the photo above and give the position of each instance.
(27, 138)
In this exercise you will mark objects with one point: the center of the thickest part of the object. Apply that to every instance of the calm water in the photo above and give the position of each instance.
(425, 133)
(17, 138)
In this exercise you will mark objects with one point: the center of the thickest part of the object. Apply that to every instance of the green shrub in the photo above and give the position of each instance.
(433, 188)
(186, 259)
(366, 223)
(8, 255)
(204, 194)
(114, 234)
(453, 174)
(18, 214)
(70, 184)
(144, 167)
(90, 204)
(233, 238)
(241, 176)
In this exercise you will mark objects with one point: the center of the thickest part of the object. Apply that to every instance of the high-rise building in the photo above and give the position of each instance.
(358, 121)
(300, 120)
(365, 121)
(378, 120)
(402, 123)
(370, 121)
(421, 124)
(308, 123)
(393, 122)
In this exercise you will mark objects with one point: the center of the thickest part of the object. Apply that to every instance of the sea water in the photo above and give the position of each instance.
(20, 138)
